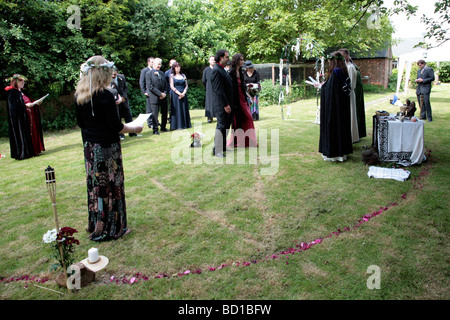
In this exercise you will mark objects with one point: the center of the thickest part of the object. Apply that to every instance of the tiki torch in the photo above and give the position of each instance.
(51, 187)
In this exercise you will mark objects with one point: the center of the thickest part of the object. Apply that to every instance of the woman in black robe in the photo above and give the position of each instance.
(24, 121)
(335, 131)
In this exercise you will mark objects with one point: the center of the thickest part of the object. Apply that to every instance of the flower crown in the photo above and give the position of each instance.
(89, 64)
(16, 77)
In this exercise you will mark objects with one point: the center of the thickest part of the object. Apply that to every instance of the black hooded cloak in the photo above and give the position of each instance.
(335, 130)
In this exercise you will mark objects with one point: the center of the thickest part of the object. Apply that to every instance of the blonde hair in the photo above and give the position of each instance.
(93, 80)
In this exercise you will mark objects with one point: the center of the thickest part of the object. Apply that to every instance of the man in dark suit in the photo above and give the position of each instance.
(221, 100)
(143, 86)
(167, 75)
(120, 83)
(425, 76)
(157, 90)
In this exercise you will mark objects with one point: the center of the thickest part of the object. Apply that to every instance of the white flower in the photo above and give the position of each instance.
(50, 236)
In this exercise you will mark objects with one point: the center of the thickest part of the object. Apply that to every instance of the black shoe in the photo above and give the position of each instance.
(164, 129)
(220, 155)
(423, 118)
(214, 152)
(156, 132)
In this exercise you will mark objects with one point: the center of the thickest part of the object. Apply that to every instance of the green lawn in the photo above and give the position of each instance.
(233, 230)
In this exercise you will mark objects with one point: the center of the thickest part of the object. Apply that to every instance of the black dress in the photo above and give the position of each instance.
(20, 141)
(254, 100)
(179, 109)
(335, 131)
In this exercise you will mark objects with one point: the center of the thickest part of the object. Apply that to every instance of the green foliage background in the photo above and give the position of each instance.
(36, 39)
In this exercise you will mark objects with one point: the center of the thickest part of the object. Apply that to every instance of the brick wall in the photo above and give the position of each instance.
(377, 70)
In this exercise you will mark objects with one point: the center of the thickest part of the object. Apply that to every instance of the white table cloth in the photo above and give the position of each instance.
(402, 142)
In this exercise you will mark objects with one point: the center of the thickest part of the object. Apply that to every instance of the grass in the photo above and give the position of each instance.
(199, 215)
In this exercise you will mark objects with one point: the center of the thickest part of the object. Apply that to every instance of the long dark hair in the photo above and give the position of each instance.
(337, 60)
(235, 61)
(175, 64)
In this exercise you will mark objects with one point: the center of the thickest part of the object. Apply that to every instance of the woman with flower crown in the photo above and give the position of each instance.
(24, 121)
(335, 141)
(98, 118)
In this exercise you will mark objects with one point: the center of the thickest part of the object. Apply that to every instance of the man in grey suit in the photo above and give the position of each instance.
(143, 86)
(425, 76)
(221, 98)
(156, 88)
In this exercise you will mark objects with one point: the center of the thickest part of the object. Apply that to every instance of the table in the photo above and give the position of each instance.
(402, 142)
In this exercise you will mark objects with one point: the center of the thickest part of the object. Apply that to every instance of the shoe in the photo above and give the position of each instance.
(156, 132)
(122, 138)
(138, 135)
(220, 155)
(214, 152)
(164, 129)
(430, 120)
(423, 118)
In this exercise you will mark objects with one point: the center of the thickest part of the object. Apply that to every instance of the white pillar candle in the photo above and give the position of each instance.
(93, 255)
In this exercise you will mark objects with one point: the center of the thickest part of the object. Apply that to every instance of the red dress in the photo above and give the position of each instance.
(35, 128)
(243, 133)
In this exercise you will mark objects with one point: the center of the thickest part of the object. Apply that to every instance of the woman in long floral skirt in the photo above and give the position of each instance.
(98, 118)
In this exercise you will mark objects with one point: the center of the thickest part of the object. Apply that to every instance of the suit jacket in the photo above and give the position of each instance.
(427, 74)
(122, 87)
(222, 91)
(156, 84)
(142, 79)
(167, 75)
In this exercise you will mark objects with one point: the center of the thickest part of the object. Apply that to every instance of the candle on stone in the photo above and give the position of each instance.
(93, 255)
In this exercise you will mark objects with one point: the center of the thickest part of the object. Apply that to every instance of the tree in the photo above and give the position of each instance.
(261, 28)
(437, 28)
(37, 43)
(199, 31)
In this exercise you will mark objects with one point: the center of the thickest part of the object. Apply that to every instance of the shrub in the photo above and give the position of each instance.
(392, 85)
(269, 93)
(444, 72)
(137, 100)
(196, 95)
(63, 119)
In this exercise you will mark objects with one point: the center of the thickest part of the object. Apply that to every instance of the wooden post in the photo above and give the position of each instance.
(304, 78)
(273, 74)
(290, 79)
(51, 187)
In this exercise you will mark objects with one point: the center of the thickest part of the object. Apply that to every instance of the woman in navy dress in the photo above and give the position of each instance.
(179, 109)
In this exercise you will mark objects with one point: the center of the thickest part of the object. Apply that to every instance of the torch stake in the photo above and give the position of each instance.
(51, 187)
